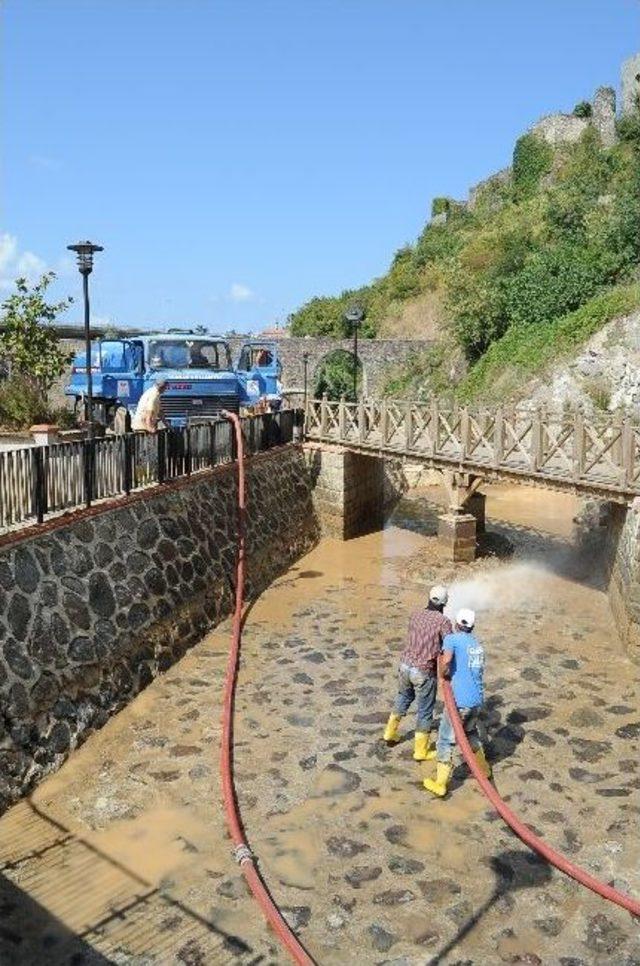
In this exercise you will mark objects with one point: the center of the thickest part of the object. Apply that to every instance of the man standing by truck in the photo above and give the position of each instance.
(148, 412)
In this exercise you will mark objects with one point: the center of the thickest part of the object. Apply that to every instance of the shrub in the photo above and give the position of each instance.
(335, 376)
(583, 109)
(402, 280)
(436, 243)
(325, 316)
(624, 230)
(532, 159)
(554, 282)
(584, 175)
(524, 351)
(476, 304)
(628, 126)
(440, 206)
(28, 343)
(22, 403)
(64, 418)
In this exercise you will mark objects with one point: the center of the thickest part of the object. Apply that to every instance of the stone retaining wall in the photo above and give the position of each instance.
(624, 573)
(348, 490)
(353, 492)
(92, 608)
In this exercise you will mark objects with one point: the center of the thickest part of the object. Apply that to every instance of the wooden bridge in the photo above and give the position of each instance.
(595, 455)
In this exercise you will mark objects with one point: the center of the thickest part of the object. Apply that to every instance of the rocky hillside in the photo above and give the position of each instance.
(535, 261)
(603, 375)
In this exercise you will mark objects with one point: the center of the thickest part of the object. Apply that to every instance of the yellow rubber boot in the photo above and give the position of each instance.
(438, 785)
(391, 731)
(422, 750)
(482, 761)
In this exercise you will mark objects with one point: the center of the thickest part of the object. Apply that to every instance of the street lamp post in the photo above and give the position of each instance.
(85, 251)
(305, 363)
(354, 315)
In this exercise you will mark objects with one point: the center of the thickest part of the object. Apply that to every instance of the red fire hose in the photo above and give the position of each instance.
(521, 830)
(243, 853)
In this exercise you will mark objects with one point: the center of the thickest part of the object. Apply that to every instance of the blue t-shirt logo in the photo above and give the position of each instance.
(467, 668)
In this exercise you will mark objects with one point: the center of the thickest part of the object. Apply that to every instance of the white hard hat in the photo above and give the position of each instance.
(466, 618)
(439, 595)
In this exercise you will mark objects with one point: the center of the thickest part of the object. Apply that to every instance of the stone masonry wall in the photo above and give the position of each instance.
(604, 115)
(92, 608)
(349, 490)
(560, 128)
(624, 573)
(630, 83)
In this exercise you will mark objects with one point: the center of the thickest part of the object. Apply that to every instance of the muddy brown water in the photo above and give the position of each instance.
(122, 857)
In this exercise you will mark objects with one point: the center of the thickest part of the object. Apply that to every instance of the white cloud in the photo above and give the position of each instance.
(240, 293)
(15, 263)
(30, 265)
(8, 250)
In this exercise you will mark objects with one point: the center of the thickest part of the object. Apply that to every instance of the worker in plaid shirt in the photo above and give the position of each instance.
(417, 674)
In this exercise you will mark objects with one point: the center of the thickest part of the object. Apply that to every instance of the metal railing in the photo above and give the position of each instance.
(41, 481)
(597, 451)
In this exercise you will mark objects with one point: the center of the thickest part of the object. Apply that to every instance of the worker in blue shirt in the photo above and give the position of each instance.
(462, 661)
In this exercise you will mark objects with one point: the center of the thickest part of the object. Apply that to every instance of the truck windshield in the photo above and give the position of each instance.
(116, 356)
(188, 354)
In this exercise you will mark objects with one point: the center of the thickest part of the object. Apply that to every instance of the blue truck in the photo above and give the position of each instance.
(201, 378)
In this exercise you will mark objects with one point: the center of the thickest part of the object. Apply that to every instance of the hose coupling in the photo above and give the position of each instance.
(242, 854)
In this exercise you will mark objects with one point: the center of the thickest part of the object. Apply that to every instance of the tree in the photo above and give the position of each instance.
(29, 346)
(335, 376)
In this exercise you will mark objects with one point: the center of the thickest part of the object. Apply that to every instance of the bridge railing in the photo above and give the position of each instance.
(601, 449)
(42, 481)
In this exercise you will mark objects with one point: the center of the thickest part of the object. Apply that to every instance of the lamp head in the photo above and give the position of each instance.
(84, 250)
(354, 314)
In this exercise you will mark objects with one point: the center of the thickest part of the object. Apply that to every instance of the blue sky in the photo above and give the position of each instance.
(236, 157)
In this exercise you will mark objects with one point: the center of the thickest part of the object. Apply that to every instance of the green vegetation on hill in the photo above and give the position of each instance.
(561, 233)
(525, 351)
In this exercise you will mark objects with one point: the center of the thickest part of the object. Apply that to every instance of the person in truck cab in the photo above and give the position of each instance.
(147, 415)
(262, 357)
(197, 358)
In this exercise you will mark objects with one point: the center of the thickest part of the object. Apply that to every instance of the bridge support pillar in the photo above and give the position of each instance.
(457, 535)
(458, 528)
(475, 505)
(348, 492)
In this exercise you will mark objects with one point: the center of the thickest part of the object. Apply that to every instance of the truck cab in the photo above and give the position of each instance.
(259, 371)
(197, 368)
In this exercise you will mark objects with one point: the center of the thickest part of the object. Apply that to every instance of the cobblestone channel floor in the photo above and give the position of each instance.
(122, 857)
